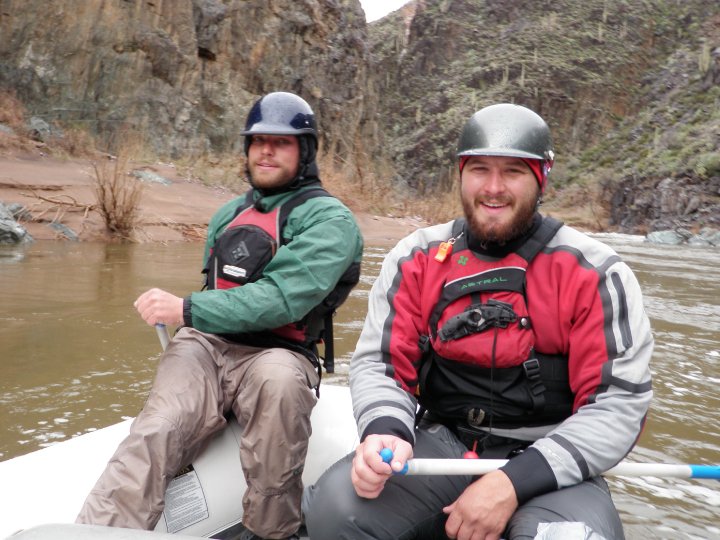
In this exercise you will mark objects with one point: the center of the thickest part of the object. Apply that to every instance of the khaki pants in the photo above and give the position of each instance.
(200, 378)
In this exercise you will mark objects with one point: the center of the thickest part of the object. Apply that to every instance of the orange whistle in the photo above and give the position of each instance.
(444, 250)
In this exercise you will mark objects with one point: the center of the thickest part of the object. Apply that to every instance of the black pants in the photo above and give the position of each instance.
(410, 507)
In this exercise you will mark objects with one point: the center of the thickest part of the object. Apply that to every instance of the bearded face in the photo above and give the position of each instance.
(273, 160)
(499, 197)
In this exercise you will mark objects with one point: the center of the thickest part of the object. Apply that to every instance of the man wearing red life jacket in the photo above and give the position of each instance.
(506, 334)
(278, 260)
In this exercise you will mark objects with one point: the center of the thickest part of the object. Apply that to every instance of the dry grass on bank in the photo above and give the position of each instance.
(578, 206)
(364, 185)
(12, 116)
(223, 170)
(360, 187)
(72, 141)
(373, 194)
(12, 111)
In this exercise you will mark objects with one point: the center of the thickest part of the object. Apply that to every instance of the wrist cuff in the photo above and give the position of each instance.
(530, 474)
(387, 425)
(187, 311)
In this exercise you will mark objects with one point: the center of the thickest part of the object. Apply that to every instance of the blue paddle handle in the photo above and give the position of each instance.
(386, 454)
(705, 471)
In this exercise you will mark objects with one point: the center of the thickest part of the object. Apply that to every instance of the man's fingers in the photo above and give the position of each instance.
(367, 482)
(156, 306)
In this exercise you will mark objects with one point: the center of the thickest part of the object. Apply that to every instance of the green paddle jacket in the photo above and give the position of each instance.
(321, 239)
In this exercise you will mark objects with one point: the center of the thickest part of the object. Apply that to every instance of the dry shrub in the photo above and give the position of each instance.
(12, 111)
(579, 205)
(337, 180)
(366, 187)
(118, 195)
(13, 143)
(12, 115)
(360, 186)
(75, 142)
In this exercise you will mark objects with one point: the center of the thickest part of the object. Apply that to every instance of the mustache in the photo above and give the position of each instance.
(501, 200)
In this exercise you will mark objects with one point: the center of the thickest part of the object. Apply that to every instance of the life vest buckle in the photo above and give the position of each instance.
(537, 388)
(532, 368)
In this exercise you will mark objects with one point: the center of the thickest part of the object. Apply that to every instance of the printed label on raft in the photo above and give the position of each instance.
(185, 502)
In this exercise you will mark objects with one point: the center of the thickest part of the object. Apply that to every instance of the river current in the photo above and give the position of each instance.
(76, 357)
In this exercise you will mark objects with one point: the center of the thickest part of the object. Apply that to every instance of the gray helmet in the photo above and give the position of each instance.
(280, 113)
(508, 130)
(283, 113)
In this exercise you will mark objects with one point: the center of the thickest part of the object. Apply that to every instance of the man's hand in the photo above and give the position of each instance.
(483, 510)
(369, 471)
(160, 307)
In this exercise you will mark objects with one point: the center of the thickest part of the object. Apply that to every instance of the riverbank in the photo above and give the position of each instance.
(59, 198)
(59, 195)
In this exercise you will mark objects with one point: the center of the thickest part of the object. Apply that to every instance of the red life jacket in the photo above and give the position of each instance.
(241, 253)
(479, 363)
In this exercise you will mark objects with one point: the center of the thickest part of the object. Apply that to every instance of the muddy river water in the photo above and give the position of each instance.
(75, 357)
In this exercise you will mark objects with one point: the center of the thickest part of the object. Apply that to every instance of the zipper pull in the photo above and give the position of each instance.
(445, 248)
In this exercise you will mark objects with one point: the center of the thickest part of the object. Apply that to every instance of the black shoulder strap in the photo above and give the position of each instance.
(247, 202)
(535, 244)
(457, 228)
(296, 201)
(325, 320)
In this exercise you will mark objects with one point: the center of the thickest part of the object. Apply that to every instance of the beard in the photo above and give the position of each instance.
(490, 230)
(270, 183)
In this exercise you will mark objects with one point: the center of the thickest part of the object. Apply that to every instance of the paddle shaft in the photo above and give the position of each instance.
(476, 467)
(162, 333)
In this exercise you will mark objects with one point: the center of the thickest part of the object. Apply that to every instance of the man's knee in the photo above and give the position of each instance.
(331, 503)
(587, 505)
(279, 373)
(186, 379)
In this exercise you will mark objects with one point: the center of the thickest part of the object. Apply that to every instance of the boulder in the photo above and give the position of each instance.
(11, 232)
(665, 237)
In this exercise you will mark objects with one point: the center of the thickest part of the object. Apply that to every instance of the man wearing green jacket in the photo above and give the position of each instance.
(278, 260)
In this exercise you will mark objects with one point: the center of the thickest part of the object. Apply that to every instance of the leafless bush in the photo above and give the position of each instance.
(118, 195)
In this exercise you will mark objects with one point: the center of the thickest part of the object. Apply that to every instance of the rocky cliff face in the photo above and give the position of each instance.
(184, 71)
(664, 166)
(579, 64)
(621, 84)
(630, 88)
